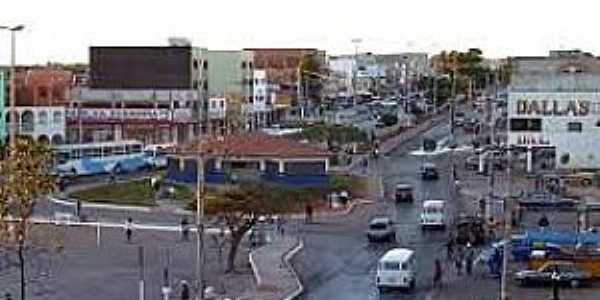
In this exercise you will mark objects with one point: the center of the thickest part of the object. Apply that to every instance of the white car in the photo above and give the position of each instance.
(396, 269)
(433, 214)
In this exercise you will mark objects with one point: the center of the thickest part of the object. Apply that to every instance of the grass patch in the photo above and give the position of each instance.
(136, 193)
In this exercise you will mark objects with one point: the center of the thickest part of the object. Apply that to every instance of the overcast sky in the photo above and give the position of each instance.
(62, 30)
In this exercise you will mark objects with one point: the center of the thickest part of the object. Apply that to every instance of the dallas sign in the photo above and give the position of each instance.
(554, 107)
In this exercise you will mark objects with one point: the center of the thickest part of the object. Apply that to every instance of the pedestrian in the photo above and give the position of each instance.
(437, 273)
(184, 229)
(450, 248)
(458, 262)
(128, 229)
(309, 212)
(78, 208)
(469, 260)
(543, 222)
(185, 290)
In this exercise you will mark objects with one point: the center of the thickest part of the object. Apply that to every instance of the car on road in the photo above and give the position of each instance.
(433, 214)
(396, 269)
(546, 200)
(566, 273)
(459, 122)
(381, 229)
(404, 192)
(472, 163)
(429, 172)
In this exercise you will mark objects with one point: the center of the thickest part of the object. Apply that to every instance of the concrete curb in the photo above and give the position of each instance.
(100, 206)
(288, 257)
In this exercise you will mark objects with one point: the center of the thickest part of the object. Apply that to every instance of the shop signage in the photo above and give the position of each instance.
(553, 107)
(532, 140)
(129, 114)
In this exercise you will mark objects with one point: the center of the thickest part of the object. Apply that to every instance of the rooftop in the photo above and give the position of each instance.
(254, 144)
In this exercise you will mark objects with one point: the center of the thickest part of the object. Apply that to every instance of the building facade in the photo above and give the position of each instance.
(152, 94)
(554, 108)
(230, 76)
(252, 157)
(282, 69)
(3, 112)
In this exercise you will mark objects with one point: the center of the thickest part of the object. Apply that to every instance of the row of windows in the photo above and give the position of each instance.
(535, 125)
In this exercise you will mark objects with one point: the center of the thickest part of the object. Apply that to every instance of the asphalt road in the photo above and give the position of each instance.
(339, 263)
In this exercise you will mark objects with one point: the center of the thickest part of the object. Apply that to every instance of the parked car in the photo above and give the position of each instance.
(396, 269)
(404, 192)
(429, 172)
(381, 229)
(566, 273)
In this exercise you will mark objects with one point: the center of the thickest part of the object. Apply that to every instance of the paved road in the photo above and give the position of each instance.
(338, 263)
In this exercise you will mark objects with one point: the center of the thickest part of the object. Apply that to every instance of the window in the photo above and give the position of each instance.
(196, 64)
(58, 117)
(222, 104)
(574, 127)
(92, 152)
(205, 65)
(213, 104)
(525, 124)
(243, 65)
(196, 84)
(391, 266)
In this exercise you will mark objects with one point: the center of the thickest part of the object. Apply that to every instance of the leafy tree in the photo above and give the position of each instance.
(464, 67)
(24, 178)
(443, 91)
(241, 207)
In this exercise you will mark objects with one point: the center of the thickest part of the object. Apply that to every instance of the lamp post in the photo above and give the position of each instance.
(13, 92)
(199, 222)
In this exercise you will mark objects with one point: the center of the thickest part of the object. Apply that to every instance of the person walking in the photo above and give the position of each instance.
(129, 229)
(450, 248)
(469, 260)
(437, 274)
(458, 262)
(184, 229)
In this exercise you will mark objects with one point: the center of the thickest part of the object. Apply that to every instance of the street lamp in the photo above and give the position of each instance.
(13, 91)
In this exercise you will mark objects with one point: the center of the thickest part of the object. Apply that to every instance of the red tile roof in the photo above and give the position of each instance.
(255, 144)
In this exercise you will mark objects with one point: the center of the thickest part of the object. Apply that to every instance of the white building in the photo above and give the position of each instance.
(554, 105)
(261, 104)
(45, 124)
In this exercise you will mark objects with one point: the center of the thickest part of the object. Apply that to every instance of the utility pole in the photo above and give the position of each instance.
(435, 83)
(199, 223)
(141, 286)
(356, 42)
(507, 228)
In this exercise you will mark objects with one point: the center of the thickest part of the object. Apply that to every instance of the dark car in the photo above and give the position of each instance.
(429, 172)
(381, 230)
(566, 273)
(404, 192)
(546, 200)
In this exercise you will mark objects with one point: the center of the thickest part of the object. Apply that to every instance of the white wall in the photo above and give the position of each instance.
(581, 146)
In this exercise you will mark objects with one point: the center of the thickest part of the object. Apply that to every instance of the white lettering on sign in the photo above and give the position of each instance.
(532, 140)
(130, 114)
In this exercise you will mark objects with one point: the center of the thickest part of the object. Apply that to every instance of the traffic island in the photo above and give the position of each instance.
(130, 193)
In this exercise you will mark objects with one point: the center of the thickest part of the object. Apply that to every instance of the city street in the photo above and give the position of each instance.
(338, 262)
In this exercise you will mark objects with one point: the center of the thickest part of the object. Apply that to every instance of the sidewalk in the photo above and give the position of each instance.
(275, 278)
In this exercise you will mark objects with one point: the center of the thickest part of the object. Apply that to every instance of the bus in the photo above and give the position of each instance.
(157, 154)
(100, 158)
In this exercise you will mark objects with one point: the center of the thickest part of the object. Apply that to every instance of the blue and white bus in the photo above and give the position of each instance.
(100, 158)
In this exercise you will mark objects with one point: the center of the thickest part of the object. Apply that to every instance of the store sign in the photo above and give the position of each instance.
(129, 114)
(553, 107)
(532, 140)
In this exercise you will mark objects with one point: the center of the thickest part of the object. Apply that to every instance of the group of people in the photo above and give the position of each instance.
(458, 256)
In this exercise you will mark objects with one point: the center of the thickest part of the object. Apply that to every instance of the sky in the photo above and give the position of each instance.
(62, 30)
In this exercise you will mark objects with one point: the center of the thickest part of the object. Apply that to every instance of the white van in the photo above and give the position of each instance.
(434, 214)
(396, 269)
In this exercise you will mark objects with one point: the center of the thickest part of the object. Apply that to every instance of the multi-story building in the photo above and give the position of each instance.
(151, 94)
(262, 104)
(230, 76)
(3, 129)
(554, 109)
(282, 69)
(41, 93)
